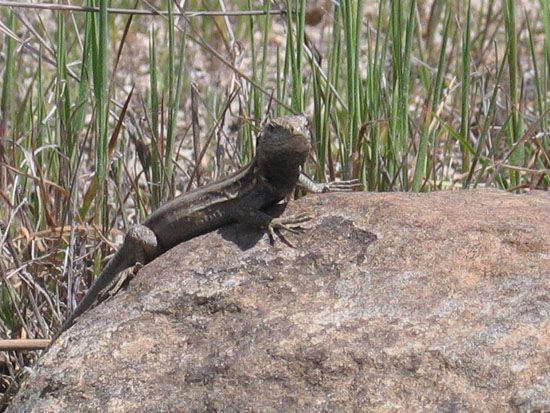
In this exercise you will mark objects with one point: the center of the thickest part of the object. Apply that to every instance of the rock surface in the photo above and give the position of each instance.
(391, 302)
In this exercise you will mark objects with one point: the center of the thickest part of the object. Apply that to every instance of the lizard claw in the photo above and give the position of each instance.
(137, 267)
(292, 223)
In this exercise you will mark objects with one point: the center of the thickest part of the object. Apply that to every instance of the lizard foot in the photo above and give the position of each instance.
(334, 186)
(291, 223)
(341, 186)
(125, 278)
(137, 267)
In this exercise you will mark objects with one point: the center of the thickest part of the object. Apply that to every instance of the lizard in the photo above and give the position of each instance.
(282, 148)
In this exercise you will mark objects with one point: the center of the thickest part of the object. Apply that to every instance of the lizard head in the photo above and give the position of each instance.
(284, 143)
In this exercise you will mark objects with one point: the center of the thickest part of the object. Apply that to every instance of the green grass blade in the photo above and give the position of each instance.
(465, 99)
(516, 125)
(8, 86)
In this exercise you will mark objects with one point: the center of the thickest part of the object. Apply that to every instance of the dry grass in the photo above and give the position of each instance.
(416, 111)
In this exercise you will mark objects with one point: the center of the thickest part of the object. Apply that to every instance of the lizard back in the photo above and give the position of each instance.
(210, 207)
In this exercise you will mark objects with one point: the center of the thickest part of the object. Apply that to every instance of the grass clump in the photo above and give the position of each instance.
(105, 114)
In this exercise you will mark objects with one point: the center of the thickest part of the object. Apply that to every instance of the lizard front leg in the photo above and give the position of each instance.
(258, 219)
(336, 186)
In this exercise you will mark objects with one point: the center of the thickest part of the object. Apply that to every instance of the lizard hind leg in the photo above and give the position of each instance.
(141, 242)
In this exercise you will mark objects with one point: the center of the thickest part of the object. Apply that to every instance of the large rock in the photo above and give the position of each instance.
(390, 302)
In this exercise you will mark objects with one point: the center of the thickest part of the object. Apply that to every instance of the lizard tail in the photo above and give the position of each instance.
(118, 263)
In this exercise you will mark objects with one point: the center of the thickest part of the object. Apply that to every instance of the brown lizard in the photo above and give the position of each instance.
(282, 148)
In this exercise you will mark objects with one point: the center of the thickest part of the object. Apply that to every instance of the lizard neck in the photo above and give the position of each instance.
(280, 176)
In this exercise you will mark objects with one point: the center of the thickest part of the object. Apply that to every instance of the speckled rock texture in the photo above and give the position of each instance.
(390, 302)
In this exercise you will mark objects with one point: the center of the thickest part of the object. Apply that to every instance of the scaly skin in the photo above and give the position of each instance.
(282, 149)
